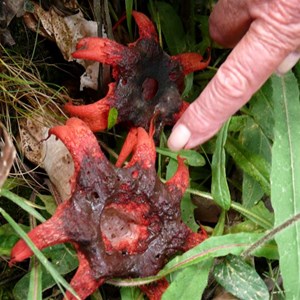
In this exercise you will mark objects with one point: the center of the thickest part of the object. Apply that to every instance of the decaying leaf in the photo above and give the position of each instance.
(8, 10)
(66, 31)
(7, 154)
(47, 152)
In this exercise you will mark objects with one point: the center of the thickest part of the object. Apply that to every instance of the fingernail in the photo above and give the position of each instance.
(179, 137)
(288, 62)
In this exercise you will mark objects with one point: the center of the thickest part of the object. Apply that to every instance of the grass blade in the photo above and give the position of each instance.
(23, 203)
(285, 178)
(58, 278)
(35, 285)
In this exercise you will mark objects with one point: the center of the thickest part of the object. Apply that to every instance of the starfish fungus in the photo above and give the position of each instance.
(148, 81)
(123, 221)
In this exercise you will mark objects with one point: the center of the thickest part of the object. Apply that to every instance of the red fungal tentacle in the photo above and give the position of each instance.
(83, 281)
(104, 50)
(194, 239)
(128, 146)
(144, 153)
(146, 27)
(183, 108)
(191, 62)
(79, 140)
(142, 145)
(95, 115)
(46, 234)
(155, 290)
(180, 179)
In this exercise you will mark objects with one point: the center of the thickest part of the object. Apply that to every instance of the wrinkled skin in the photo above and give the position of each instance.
(266, 38)
(148, 81)
(123, 222)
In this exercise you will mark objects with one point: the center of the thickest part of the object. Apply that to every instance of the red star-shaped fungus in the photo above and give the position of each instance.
(148, 81)
(123, 222)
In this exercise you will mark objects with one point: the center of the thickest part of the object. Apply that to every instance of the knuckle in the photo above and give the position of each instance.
(232, 82)
(282, 24)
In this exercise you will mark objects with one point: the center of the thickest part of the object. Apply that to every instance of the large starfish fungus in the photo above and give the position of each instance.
(148, 81)
(122, 221)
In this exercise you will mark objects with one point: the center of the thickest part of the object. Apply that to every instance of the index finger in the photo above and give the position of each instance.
(268, 41)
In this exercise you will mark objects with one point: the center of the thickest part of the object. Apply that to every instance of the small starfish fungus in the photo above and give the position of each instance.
(148, 81)
(123, 221)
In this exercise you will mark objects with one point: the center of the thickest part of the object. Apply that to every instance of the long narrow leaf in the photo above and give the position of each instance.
(219, 186)
(285, 178)
(129, 6)
(254, 165)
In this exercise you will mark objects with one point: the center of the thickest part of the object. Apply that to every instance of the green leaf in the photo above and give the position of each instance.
(253, 138)
(193, 158)
(49, 203)
(11, 183)
(187, 212)
(189, 283)
(237, 123)
(8, 238)
(297, 72)
(128, 5)
(112, 118)
(205, 36)
(219, 186)
(131, 293)
(245, 226)
(258, 214)
(186, 205)
(251, 191)
(219, 228)
(262, 109)
(171, 26)
(188, 85)
(285, 178)
(254, 165)
(35, 284)
(256, 136)
(65, 261)
(171, 168)
(217, 246)
(240, 279)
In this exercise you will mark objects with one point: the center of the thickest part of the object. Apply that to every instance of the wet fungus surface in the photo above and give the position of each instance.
(148, 81)
(122, 221)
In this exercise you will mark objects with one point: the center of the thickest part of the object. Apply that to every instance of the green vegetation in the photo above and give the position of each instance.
(249, 174)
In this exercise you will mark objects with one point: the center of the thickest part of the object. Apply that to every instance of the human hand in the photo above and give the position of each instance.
(266, 38)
